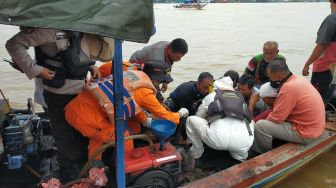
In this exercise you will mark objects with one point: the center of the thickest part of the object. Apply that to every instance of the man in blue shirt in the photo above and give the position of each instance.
(190, 94)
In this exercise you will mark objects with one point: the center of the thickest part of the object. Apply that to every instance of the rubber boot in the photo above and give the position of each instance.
(188, 160)
(69, 171)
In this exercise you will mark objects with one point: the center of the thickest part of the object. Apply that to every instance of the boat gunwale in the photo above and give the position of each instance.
(264, 168)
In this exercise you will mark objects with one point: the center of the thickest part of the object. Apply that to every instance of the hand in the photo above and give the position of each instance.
(184, 112)
(148, 123)
(254, 98)
(94, 72)
(52, 183)
(164, 87)
(47, 74)
(98, 176)
(305, 71)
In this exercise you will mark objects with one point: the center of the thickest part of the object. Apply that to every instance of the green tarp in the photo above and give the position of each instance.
(130, 20)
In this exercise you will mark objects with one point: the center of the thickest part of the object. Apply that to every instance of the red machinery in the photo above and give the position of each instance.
(157, 166)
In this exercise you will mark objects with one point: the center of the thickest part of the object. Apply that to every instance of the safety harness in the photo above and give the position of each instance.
(230, 104)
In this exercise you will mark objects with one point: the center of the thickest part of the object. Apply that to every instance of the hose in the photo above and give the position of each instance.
(32, 171)
(112, 143)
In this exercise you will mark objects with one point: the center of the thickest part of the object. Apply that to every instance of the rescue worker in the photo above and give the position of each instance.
(91, 112)
(151, 69)
(63, 68)
(221, 122)
(163, 52)
(190, 94)
(256, 67)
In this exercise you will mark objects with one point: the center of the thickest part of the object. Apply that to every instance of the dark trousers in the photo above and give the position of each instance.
(71, 145)
(321, 81)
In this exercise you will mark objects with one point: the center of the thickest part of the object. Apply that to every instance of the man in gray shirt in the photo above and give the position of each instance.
(324, 54)
(161, 52)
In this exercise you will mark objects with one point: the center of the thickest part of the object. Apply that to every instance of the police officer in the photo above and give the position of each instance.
(63, 68)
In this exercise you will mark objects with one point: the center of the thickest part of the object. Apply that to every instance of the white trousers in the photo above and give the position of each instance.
(224, 134)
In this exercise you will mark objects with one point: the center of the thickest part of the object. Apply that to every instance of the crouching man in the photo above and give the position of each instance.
(92, 113)
(221, 122)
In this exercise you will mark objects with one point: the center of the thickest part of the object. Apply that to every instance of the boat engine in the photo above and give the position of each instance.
(152, 167)
(159, 165)
(25, 135)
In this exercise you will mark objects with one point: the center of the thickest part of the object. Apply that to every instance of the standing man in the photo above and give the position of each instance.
(256, 67)
(163, 52)
(190, 94)
(324, 54)
(56, 58)
(298, 114)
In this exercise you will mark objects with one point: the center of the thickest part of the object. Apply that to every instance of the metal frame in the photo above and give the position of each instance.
(119, 120)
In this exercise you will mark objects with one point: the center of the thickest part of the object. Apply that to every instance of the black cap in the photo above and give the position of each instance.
(159, 71)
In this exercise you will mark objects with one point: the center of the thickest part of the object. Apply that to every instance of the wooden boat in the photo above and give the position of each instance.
(191, 5)
(271, 167)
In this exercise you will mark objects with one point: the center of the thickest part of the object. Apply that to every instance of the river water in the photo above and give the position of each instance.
(220, 37)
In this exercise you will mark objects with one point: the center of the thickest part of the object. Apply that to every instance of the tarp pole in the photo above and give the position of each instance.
(119, 113)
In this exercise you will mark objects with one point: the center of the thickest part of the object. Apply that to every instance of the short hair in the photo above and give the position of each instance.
(332, 1)
(205, 75)
(278, 65)
(271, 43)
(247, 79)
(179, 46)
(234, 75)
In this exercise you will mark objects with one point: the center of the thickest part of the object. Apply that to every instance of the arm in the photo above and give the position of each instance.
(318, 50)
(203, 108)
(325, 35)
(282, 108)
(18, 45)
(251, 66)
(253, 100)
(146, 99)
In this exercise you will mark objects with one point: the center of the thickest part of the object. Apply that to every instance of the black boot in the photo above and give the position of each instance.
(69, 171)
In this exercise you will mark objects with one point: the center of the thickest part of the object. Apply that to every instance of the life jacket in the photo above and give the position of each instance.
(259, 59)
(71, 63)
(102, 91)
(230, 104)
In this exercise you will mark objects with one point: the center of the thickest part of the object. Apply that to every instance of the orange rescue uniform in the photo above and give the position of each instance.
(86, 115)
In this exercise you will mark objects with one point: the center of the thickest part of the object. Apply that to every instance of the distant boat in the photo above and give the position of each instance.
(191, 4)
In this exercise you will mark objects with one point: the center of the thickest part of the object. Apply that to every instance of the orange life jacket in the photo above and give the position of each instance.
(102, 91)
